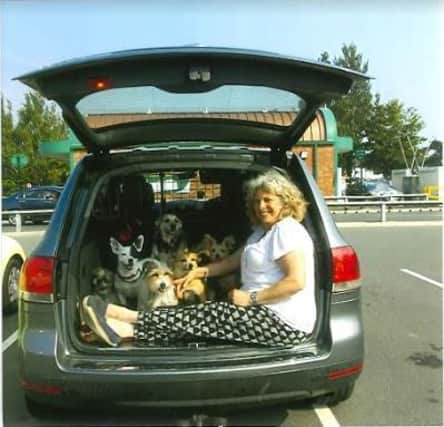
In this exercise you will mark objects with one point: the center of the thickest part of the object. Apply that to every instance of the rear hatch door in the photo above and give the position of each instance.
(141, 97)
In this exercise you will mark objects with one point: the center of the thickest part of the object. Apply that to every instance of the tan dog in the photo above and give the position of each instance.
(214, 249)
(169, 239)
(158, 289)
(197, 290)
(217, 251)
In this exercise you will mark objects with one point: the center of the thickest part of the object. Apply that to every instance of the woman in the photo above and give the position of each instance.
(275, 305)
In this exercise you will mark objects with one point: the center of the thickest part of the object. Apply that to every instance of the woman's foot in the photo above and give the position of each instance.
(94, 316)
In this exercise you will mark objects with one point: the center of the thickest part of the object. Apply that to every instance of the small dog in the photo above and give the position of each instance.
(217, 251)
(130, 268)
(158, 288)
(169, 239)
(220, 250)
(103, 285)
(197, 290)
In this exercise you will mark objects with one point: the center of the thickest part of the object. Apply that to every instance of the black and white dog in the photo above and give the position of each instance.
(131, 268)
(169, 239)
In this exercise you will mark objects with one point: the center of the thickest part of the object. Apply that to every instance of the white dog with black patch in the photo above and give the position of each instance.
(130, 268)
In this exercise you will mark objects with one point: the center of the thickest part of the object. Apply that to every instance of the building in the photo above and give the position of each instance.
(319, 146)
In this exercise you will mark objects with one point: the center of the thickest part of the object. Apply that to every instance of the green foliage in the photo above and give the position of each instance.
(352, 111)
(393, 140)
(389, 133)
(37, 121)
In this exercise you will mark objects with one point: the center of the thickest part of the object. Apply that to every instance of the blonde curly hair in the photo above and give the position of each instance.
(277, 184)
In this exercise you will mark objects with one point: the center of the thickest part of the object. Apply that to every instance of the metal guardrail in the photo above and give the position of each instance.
(346, 199)
(337, 205)
(18, 216)
(384, 207)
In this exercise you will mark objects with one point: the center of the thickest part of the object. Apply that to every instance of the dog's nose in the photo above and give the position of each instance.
(162, 286)
(130, 262)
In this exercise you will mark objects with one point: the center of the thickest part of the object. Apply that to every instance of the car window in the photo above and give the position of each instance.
(51, 195)
(228, 102)
(38, 194)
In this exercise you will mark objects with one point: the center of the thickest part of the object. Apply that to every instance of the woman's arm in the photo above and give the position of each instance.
(293, 267)
(225, 266)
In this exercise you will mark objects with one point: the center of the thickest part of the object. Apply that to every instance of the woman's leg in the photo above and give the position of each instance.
(125, 330)
(167, 325)
(217, 320)
(121, 313)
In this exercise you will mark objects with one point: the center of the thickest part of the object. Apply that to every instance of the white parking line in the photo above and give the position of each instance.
(420, 276)
(10, 340)
(326, 416)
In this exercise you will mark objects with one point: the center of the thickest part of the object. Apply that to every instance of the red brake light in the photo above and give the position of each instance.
(36, 276)
(346, 274)
(99, 83)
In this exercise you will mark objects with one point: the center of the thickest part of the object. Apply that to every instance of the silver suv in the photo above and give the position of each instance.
(179, 130)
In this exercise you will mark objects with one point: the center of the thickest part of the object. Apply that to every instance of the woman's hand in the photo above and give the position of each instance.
(182, 282)
(238, 297)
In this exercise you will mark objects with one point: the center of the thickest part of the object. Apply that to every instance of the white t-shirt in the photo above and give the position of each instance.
(260, 270)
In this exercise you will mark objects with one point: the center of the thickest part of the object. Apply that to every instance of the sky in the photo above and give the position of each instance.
(401, 39)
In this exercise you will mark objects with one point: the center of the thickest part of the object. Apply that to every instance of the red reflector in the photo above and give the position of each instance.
(345, 265)
(334, 375)
(36, 275)
(42, 388)
(99, 83)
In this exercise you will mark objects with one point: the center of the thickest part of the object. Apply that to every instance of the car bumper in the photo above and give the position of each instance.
(44, 363)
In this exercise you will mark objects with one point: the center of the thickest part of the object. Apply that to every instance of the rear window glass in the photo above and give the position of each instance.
(229, 102)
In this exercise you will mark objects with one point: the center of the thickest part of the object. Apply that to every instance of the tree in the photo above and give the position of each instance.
(393, 140)
(9, 174)
(353, 110)
(387, 133)
(38, 120)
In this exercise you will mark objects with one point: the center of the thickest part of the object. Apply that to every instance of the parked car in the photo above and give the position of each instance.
(13, 257)
(44, 197)
(373, 187)
(198, 114)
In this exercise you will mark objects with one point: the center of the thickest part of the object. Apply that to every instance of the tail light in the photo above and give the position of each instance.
(345, 264)
(36, 279)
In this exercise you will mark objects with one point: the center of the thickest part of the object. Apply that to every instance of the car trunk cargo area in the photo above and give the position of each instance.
(208, 198)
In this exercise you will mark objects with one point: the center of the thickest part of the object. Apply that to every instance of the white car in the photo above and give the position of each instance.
(13, 256)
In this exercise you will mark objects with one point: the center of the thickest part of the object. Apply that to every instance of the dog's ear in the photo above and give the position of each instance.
(115, 245)
(203, 258)
(149, 264)
(138, 243)
(229, 242)
(209, 240)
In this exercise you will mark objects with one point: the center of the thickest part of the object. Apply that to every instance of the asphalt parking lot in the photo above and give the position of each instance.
(401, 385)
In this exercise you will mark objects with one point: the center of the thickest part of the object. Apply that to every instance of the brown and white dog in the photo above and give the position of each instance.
(197, 290)
(169, 239)
(158, 288)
